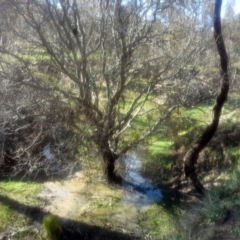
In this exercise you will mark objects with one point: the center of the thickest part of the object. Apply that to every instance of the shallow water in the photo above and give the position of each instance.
(138, 190)
(90, 200)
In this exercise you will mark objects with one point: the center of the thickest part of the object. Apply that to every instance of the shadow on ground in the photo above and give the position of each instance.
(70, 229)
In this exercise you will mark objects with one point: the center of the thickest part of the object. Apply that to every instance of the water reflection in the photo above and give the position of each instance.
(47, 153)
(138, 190)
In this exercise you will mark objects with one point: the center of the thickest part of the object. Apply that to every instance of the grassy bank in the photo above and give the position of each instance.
(216, 215)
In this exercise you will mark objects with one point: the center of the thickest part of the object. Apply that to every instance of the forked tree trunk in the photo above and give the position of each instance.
(191, 157)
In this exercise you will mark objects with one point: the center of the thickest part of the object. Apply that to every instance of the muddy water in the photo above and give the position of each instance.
(94, 202)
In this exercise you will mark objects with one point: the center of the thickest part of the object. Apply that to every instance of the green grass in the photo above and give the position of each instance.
(103, 204)
(109, 202)
(201, 114)
(158, 160)
(159, 223)
(33, 56)
(158, 148)
(6, 215)
(23, 193)
(234, 155)
(52, 227)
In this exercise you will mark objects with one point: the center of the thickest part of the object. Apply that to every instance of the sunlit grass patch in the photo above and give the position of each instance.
(159, 153)
(23, 193)
(6, 215)
(182, 133)
(38, 54)
(159, 223)
(107, 202)
(160, 148)
(201, 113)
(158, 160)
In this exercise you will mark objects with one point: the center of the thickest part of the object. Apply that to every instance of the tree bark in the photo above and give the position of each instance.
(111, 175)
(191, 156)
(109, 158)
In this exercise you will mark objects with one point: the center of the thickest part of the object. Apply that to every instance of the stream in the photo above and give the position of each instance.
(85, 197)
(138, 190)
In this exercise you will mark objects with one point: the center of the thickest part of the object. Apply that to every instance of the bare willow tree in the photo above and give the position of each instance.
(95, 55)
(107, 59)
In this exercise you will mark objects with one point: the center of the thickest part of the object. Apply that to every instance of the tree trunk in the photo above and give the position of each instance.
(109, 158)
(191, 157)
(111, 175)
